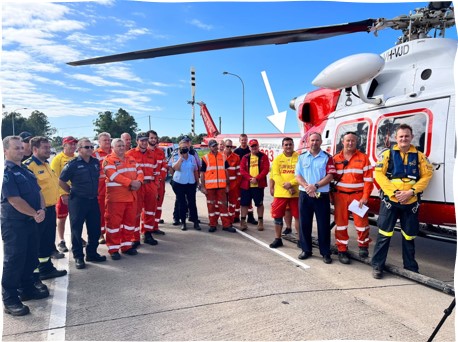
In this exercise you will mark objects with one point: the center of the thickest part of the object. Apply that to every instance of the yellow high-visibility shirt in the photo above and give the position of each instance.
(57, 165)
(283, 168)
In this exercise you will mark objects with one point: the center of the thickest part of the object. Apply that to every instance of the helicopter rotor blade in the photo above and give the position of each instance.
(281, 37)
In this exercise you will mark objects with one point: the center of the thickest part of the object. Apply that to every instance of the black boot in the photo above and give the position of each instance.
(149, 239)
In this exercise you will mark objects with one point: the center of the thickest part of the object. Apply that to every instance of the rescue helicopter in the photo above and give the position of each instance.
(372, 94)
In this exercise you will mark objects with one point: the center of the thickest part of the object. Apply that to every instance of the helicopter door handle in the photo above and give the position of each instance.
(437, 165)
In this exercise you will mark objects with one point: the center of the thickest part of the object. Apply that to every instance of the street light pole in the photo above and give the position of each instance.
(12, 116)
(243, 98)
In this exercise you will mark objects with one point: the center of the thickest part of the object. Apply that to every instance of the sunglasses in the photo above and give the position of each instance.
(88, 147)
(229, 146)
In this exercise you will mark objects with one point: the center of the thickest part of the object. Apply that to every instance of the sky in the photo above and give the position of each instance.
(38, 39)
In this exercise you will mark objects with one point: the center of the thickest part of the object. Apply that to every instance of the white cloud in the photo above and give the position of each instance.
(199, 24)
(131, 34)
(94, 80)
(117, 71)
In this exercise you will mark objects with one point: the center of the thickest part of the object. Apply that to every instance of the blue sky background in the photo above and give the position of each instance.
(39, 38)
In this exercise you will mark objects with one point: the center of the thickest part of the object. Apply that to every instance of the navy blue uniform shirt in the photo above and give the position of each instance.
(83, 175)
(18, 181)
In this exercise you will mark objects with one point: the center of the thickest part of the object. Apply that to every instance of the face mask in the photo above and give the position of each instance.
(184, 150)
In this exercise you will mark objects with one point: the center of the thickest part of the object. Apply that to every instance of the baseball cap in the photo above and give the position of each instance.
(186, 138)
(69, 140)
(253, 142)
(212, 143)
(142, 136)
(25, 136)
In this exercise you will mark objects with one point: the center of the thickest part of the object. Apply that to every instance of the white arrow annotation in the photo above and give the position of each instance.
(277, 119)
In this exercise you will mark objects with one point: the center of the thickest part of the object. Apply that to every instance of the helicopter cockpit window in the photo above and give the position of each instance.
(361, 128)
(386, 131)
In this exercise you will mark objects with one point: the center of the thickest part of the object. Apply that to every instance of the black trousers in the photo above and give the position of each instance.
(83, 210)
(20, 249)
(308, 206)
(47, 233)
(186, 198)
(408, 216)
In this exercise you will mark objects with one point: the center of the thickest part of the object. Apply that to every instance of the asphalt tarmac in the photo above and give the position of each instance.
(196, 285)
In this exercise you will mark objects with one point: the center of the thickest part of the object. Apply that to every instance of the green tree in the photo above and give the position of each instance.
(116, 124)
(37, 124)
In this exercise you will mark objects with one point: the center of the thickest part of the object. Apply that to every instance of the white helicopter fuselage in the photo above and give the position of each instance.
(416, 86)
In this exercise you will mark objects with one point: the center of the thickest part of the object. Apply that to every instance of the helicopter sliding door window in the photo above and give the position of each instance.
(387, 125)
(360, 127)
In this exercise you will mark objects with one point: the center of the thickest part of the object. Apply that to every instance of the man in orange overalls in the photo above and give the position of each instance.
(160, 177)
(147, 194)
(234, 180)
(354, 181)
(214, 181)
(123, 179)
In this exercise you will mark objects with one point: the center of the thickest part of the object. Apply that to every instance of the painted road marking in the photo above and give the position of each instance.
(275, 250)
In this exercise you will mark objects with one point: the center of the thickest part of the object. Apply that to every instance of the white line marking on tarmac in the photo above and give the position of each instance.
(259, 242)
(58, 315)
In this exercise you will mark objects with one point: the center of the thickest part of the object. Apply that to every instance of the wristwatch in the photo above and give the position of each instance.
(316, 185)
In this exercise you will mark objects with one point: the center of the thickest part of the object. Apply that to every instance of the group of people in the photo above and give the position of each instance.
(231, 179)
(116, 191)
(306, 184)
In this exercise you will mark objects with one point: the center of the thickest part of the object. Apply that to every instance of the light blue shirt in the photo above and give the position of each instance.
(313, 169)
(185, 175)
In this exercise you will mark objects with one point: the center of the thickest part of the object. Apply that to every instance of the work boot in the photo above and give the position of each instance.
(150, 240)
(212, 229)
(377, 273)
(261, 225)
(57, 255)
(37, 282)
(131, 251)
(277, 243)
(196, 226)
(33, 293)
(115, 256)
(363, 252)
(158, 232)
(62, 247)
(343, 258)
(135, 244)
(16, 309)
(184, 227)
(161, 221)
(80, 264)
(176, 222)
(53, 273)
(287, 231)
(97, 257)
(251, 219)
(229, 229)
(243, 225)
(327, 259)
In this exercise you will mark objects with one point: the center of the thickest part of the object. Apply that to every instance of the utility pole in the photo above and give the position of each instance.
(193, 101)
(220, 124)
(149, 122)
